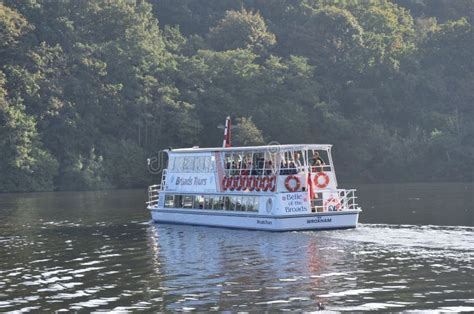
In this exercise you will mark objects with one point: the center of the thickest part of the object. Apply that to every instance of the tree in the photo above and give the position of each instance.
(241, 29)
(246, 133)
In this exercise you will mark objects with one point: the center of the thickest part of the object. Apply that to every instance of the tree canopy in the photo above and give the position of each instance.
(90, 89)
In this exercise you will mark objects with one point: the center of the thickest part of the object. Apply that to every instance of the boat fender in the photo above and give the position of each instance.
(251, 183)
(272, 183)
(321, 183)
(297, 183)
(237, 183)
(257, 183)
(243, 182)
(264, 185)
(224, 183)
(230, 183)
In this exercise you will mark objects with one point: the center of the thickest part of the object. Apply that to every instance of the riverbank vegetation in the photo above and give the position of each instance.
(90, 89)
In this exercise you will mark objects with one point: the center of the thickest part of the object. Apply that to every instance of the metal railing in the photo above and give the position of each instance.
(153, 195)
(344, 200)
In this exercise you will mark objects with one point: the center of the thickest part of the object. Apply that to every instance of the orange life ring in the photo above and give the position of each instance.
(321, 185)
(230, 183)
(272, 184)
(237, 184)
(243, 182)
(257, 183)
(264, 185)
(251, 183)
(297, 183)
(224, 183)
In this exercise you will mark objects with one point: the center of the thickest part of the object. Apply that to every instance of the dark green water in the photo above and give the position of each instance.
(414, 250)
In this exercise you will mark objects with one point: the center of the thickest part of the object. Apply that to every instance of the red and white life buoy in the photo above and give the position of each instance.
(251, 183)
(257, 182)
(237, 185)
(230, 183)
(272, 184)
(321, 180)
(290, 187)
(224, 183)
(243, 182)
(265, 183)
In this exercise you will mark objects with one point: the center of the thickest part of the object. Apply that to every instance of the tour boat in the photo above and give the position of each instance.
(272, 187)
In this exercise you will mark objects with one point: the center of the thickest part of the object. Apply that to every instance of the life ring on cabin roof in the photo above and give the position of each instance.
(321, 180)
(291, 188)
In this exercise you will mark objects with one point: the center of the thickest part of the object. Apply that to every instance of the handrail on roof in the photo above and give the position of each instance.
(272, 148)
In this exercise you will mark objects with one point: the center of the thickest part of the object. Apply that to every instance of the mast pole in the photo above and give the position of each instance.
(227, 133)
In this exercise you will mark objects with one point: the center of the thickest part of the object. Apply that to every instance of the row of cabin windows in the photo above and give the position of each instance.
(192, 164)
(212, 202)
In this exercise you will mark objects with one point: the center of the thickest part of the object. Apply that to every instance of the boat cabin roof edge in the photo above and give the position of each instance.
(273, 148)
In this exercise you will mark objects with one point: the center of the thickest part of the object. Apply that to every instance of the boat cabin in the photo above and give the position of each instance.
(235, 178)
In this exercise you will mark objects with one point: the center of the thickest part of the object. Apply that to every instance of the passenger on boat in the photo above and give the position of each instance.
(317, 163)
(284, 167)
(248, 166)
(268, 167)
(243, 169)
(292, 167)
(235, 168)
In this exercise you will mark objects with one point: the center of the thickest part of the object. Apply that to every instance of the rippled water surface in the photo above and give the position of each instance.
(98, 251)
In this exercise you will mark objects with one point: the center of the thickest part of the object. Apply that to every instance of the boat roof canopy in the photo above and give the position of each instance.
(271, 148)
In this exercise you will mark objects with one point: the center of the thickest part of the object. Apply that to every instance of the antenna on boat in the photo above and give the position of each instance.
(227, 133)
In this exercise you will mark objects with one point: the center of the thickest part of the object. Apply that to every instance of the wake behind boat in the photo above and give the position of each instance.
(274, 187)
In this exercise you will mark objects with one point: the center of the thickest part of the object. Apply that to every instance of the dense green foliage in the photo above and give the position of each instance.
(90, 89)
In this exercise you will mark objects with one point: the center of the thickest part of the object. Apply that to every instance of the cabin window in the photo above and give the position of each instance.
(198, 202)
(207, 202)
(238, 203)
(198, 164)
(217, 202)
(212, 164)
(188, 164)
(226, 203)
(212, 202)
(244, 206)
(178, 164)
(187, 201)
(169, 201)
(252, 204)
(178, 201)
(233, 201)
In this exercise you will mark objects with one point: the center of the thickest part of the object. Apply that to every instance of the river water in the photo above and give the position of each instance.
(414, 250)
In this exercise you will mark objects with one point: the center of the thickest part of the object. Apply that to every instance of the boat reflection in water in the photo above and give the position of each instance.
(373, 267)
(213, 268)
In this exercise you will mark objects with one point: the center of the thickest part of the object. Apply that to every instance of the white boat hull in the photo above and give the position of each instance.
(314, 221)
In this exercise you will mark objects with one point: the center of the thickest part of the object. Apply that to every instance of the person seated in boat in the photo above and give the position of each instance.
(248, 166)
(243, 169)
(317, 163)
(258, 169)
(292, 167)
(268, 167)
(297, 161)
(235, 168)
(283, 167)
